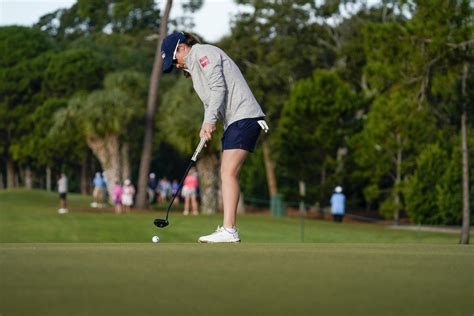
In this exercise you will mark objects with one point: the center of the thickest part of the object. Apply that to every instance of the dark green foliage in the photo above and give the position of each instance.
(18, 43)
(449, 189)
(122, 51)
(133, 83)
(315, 122)
(21, 91)
(45, 148)
(252, 178)
(386, 149)
(422, 58)
(449, 193)
(73, 71)
(434, 193)
(387, 48)
(421, 189)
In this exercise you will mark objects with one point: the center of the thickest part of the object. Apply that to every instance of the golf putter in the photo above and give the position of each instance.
(161, 223)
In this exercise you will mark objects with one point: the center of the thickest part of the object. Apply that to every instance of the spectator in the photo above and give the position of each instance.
(62, 190)
(174, 189)
(338, 204)
(190, 186)
(152, 185)
(117, 192)
(98, 192)
(165, 189)
(127, 195)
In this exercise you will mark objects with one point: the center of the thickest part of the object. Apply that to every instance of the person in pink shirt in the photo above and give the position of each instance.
(117, 196)
(127, 195)
(190, 186)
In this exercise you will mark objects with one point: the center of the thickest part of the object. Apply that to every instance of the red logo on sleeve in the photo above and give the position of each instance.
(204, 61)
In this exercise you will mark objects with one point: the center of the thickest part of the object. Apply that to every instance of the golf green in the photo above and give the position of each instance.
(236, 279)
(93, 262)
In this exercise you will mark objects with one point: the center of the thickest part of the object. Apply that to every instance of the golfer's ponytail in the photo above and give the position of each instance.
(191, 39)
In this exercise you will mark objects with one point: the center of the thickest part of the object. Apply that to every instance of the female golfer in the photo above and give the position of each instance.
(221, 87)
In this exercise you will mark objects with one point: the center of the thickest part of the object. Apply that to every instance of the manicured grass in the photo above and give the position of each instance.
(237, 279)
(85, 263)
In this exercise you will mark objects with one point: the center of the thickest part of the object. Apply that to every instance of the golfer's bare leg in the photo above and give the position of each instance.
(232, 160)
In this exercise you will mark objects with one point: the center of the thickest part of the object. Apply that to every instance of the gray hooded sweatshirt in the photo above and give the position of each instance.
(220, 85)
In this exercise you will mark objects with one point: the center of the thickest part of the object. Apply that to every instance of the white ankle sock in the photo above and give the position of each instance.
(230, 230)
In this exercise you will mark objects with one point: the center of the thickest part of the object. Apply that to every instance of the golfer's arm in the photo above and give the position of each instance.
(215, 76)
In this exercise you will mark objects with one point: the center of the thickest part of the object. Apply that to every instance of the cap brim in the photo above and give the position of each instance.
(167, 66)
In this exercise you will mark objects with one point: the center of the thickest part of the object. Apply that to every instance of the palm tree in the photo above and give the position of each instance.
(103, 117)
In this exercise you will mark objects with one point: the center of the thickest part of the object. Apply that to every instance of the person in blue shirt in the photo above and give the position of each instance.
(99, 193)
(152, 185)
(174, 189)
(338, 205)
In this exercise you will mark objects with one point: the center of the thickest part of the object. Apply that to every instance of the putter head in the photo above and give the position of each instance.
(161, 223)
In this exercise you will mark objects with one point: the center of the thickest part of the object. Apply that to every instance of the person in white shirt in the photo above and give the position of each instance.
(62, 190)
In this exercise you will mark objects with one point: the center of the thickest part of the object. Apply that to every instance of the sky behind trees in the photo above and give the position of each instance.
(27, 12)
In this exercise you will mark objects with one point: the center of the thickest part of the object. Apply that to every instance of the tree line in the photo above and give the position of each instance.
(374, 97)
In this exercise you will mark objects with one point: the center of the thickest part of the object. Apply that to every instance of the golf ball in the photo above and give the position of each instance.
(155, 239)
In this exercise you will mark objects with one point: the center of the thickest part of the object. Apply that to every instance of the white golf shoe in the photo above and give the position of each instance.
(220, 235)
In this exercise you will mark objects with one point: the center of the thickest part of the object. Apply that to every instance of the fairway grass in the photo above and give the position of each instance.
(97, 263)
(31, 217)
(236, 279)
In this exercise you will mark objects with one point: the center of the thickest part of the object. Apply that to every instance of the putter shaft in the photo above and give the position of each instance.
(191, 163)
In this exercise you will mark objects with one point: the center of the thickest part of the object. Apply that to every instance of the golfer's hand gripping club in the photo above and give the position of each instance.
(206, 131)
(198, 149)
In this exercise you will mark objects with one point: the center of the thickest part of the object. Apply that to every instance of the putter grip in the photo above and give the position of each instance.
(198, 149)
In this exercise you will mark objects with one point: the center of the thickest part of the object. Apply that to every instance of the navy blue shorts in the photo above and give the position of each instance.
(242, 134)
